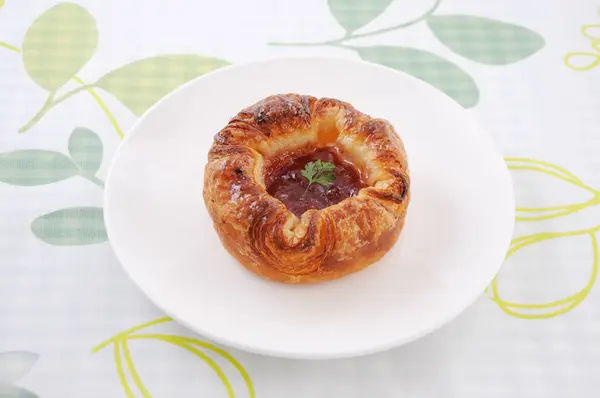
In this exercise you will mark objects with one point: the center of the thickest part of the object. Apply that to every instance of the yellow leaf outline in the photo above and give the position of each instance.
(121, 372)
(546, 213)
(176, 340)
(120, 344)
(585, 33)
(579, 54)
(132, 370)
(188, 340)
(594, 43)
(573, 300)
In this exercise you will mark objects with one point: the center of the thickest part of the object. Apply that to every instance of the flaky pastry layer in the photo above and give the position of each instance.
(261, 233)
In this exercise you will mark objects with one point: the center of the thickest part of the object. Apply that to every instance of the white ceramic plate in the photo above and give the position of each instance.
(458, 228)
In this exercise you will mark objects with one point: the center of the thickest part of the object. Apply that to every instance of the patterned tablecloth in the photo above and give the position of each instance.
(75, 76)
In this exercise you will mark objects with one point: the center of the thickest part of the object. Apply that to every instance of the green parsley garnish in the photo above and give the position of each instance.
(319, 172)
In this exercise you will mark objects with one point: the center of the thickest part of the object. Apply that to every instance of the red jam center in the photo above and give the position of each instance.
(287, 183)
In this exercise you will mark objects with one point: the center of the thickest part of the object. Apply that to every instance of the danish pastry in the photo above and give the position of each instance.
(304, 190)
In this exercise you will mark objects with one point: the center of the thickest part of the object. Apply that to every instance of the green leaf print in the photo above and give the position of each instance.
(85, 148)
(354, 14)
(14, 365)
(428, 67)
(140, 84)
(74, 226)
(12, 391)
(485, 40)
(35, 167)
(58, 44)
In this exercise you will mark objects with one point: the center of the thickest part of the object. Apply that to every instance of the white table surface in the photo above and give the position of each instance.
(535, 85)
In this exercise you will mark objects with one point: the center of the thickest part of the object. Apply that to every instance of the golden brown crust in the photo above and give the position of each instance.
(326, 244)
